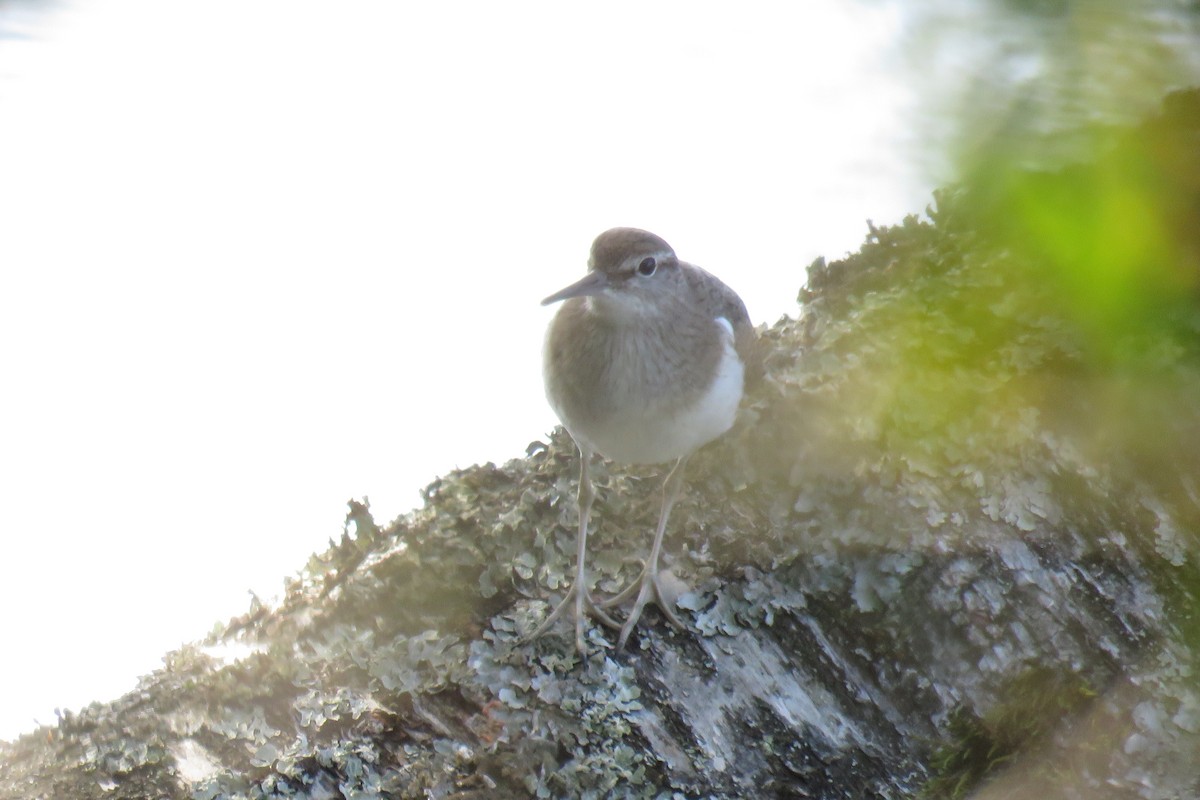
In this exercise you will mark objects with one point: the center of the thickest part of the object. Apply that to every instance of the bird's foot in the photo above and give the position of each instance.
(648, 588)
(584, 606)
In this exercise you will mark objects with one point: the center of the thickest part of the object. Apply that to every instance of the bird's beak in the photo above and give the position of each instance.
(591, 284)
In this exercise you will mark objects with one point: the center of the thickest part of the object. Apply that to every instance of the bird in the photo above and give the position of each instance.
(644, 362)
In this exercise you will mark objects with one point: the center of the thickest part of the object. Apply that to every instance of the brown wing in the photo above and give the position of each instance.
(724, 302)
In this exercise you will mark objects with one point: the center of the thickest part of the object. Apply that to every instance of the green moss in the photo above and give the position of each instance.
(1029, 707)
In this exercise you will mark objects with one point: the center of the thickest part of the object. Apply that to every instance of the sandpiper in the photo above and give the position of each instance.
(645, 363)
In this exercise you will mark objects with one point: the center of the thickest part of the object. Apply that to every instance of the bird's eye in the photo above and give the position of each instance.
(647, 266)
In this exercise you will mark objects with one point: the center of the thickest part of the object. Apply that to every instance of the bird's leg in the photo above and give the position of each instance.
(647, 585)
(579, 594)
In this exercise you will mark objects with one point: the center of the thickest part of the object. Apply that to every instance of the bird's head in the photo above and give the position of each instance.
(630, 272)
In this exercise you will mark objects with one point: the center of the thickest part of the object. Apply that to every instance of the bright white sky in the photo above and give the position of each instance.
(257, 258)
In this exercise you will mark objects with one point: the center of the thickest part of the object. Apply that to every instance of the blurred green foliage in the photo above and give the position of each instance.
(1030, 103)
(1116, 239)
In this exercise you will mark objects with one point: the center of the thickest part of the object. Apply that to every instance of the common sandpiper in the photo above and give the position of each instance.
(644, 363)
